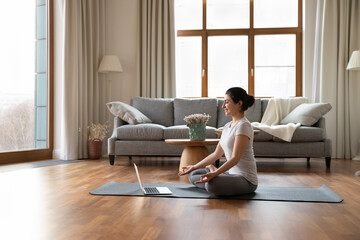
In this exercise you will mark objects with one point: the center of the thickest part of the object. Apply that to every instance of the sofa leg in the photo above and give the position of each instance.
(308, 161)
(327, 161)
(130, 160)
(111, 159)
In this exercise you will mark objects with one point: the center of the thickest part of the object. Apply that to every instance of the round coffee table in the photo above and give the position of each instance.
(194, 151)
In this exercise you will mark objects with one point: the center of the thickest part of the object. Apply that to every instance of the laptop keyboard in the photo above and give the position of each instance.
(151, 190)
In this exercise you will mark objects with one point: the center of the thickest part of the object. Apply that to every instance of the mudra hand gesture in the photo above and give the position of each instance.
(206, 177)
(185, 170)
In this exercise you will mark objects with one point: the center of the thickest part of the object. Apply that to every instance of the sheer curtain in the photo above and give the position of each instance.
(317, 51)
(156, 46)
(84, 94)
(339, 36)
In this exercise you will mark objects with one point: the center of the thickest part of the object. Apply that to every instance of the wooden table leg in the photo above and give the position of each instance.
(192, 155)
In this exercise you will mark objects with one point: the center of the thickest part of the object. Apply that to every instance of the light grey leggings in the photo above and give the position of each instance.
(223, 184)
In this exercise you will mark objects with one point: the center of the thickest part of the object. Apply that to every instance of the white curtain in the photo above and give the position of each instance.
(317, 51)
(339, 36)
(84, 94)
(156, 49)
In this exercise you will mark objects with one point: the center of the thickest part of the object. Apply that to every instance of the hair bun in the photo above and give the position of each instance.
(250, 100)
(239, 94)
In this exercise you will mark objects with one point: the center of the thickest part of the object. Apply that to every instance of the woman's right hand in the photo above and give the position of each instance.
(185, 170)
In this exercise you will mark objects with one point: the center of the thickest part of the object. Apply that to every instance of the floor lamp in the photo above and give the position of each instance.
(110, 64)
(354, 64)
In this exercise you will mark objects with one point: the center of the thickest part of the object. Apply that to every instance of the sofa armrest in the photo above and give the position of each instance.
(118, 122)
(321, 124)
(111, 141)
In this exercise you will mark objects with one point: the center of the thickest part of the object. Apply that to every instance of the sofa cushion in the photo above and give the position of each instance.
(127, 113)
(264, 103)
(146, 131)
(307, 113)
(159, 110)
(182, 131)
(306, 134)
(184, 107)
(285, 149)
(253, 114)
(262, 136)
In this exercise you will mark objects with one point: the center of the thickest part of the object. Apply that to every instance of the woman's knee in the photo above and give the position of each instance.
(195, 176)
(216, 187)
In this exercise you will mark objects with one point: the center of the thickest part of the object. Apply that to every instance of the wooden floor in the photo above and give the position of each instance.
(54, 203)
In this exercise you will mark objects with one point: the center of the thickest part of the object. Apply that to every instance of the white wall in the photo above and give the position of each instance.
(121, 35)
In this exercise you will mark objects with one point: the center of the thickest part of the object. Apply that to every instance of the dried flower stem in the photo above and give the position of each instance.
(97, 132)
(197, 118)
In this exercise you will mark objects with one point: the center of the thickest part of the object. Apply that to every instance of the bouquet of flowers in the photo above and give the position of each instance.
(196, 118)
(97, 132)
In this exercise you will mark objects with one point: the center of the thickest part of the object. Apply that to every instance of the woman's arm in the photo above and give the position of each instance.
(240, 144)
(217, 154)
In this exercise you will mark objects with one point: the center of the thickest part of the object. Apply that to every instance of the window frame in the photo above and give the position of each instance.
(251, 32)
(41, 154)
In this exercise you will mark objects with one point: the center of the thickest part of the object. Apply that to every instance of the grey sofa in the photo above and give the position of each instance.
(167, 116)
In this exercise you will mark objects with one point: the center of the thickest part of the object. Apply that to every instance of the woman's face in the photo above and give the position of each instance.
(231, 108)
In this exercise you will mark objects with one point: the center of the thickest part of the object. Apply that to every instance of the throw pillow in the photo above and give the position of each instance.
(307, 114)
(127, 113)
(159, 110)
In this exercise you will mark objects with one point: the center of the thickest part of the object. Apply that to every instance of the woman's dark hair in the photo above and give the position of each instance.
(238, 94)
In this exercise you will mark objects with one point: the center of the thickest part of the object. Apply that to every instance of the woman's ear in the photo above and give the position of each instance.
(240, 103)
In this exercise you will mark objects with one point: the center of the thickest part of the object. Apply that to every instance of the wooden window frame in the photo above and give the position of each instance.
(41, 154)
(251, 33)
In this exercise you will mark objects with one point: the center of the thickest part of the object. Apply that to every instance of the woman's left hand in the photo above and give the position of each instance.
(206, 177)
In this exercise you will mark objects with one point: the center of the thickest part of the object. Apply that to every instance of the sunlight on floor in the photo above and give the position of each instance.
(21, 205)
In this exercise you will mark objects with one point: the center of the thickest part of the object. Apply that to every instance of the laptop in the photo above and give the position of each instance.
(152, 190)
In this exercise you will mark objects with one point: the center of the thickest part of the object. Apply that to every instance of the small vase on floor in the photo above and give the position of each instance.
(197, 131)
(95, 149)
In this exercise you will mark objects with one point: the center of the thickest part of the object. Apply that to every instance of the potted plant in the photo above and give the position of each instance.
(197, 125)
(97, 133)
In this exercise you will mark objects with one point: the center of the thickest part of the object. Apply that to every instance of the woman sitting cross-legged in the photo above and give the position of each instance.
(238, 175)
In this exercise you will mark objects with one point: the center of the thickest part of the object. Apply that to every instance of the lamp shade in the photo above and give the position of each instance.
(354, 62)
(110, 63)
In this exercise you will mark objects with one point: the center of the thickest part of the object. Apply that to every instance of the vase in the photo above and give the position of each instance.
(197, 131)
(95, 149)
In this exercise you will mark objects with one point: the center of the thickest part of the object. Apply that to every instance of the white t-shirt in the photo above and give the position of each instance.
(246, 166)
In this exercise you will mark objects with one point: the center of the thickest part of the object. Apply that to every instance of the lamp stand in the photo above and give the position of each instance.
(110, 95)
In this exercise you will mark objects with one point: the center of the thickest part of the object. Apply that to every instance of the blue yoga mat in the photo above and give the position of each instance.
(265, 193)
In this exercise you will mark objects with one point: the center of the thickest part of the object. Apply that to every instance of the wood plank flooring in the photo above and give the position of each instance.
(54, 203)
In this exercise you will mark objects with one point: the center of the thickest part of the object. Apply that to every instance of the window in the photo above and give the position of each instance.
(254, 44)
(26, 80)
